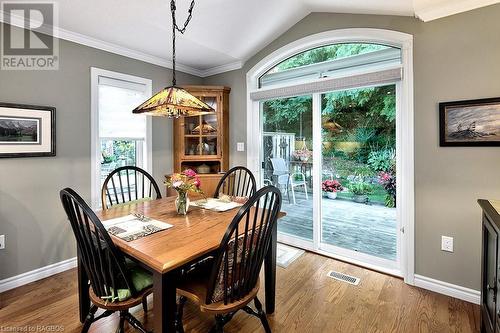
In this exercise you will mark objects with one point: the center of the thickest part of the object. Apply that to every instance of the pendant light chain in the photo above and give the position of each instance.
(175, 28)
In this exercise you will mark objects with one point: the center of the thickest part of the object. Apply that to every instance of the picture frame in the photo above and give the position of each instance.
(27, 130)
(469, 123)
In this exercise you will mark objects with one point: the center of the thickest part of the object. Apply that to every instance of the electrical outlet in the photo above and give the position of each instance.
(2, 242)
(447, 243)
(240, 146)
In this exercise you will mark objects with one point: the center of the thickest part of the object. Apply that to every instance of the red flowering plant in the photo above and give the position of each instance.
(331, 186)
(388, 181)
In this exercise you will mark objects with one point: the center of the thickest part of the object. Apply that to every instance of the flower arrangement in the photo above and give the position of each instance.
(331, 186)
(302, 155)
(184, 182)
(388, 181)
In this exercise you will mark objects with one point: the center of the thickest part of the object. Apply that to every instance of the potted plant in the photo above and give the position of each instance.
(331, 187)
(360, 191)
(184, 182)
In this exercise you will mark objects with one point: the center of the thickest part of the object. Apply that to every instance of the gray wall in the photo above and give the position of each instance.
(31, 215)
(455, 58)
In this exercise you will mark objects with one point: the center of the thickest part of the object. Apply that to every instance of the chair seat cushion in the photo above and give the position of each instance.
(141, 279)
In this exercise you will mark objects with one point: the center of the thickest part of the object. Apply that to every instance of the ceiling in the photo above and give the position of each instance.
(223, 34)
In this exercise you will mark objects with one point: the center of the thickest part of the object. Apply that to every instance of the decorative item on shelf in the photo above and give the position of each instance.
(174, 102)
(331, 187)
(203, 148)
(211, 149)
(203, 169)
(204, 128)
(184, 182)
(303, 154)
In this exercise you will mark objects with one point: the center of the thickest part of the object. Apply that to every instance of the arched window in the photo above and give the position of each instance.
(329, 60)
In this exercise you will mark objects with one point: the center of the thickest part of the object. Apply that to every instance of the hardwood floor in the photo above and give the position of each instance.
(307, 301)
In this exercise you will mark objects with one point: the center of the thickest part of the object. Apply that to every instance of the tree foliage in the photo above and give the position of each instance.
(325, 53)
(358, 111)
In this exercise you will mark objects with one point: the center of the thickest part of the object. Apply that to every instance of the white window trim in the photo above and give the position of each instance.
(406, 196)
(95, 149)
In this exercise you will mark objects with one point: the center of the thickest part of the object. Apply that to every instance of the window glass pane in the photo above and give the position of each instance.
(118, 153)
(115, 113)
(287, 160)
(330, 60)
(359, 170)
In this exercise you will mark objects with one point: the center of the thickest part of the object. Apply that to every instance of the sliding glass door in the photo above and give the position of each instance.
(287, 137)
(358, 166)
(333, 155)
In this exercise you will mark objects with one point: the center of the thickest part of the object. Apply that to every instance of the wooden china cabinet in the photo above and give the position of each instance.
(201, 143)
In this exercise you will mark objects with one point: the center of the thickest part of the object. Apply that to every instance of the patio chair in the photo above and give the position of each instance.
(287, 179)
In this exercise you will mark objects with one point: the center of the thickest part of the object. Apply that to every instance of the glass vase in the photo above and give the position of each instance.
(182, 203)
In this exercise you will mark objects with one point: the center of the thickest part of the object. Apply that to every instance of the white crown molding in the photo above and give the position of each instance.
(37, 274)
(103, 45)
(448, 8)
(222, 69)
(445, 288)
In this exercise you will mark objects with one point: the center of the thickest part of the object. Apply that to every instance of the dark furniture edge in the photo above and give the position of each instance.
(490, 212)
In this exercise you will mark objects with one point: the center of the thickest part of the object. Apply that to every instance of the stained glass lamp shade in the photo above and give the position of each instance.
(173, 102)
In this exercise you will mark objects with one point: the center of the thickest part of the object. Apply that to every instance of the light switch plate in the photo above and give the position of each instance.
(240, 146)
(447, 243)
(2, 242)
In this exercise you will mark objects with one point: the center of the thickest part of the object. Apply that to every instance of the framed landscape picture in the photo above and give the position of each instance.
(27, 130)
(470, 123)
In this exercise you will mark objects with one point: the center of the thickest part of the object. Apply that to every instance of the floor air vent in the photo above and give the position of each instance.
(345, 278)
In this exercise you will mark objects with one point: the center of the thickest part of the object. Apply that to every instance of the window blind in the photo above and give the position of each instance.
(327, 84)
(117, 99)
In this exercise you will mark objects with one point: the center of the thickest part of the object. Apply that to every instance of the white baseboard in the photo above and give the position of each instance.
(37, 274)
(445, 288)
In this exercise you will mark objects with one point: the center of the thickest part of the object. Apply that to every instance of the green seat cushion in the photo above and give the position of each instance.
(132, 202)
(141, 279)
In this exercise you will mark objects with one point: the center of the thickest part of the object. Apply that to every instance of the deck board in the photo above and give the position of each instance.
(369, 229)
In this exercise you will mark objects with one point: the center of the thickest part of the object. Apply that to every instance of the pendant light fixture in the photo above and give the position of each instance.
(174, 102)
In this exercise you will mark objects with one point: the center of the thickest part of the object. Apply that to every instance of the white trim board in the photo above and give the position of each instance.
(448, 289)
(37, 274)
(447, 8)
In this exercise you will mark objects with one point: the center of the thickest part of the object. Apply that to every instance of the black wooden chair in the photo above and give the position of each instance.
(116, 284)
(237, 182)
(230, 281)
(127, 184)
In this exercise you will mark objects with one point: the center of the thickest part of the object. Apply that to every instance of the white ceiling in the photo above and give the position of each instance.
(223, 34)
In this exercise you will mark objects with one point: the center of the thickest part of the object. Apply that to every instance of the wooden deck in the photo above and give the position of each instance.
(369, 229)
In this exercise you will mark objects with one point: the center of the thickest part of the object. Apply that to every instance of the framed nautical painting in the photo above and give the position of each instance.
(470, 123)
(27, 130)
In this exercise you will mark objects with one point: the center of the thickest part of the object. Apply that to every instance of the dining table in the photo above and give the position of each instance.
(164, 253)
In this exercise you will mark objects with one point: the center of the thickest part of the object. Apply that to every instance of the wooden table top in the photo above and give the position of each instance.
(193, 235)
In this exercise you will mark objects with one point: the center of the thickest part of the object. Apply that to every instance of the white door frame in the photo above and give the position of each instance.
(95, 149)
(404, 127)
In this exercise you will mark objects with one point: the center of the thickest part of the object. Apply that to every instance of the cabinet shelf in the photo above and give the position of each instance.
(206, 149)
